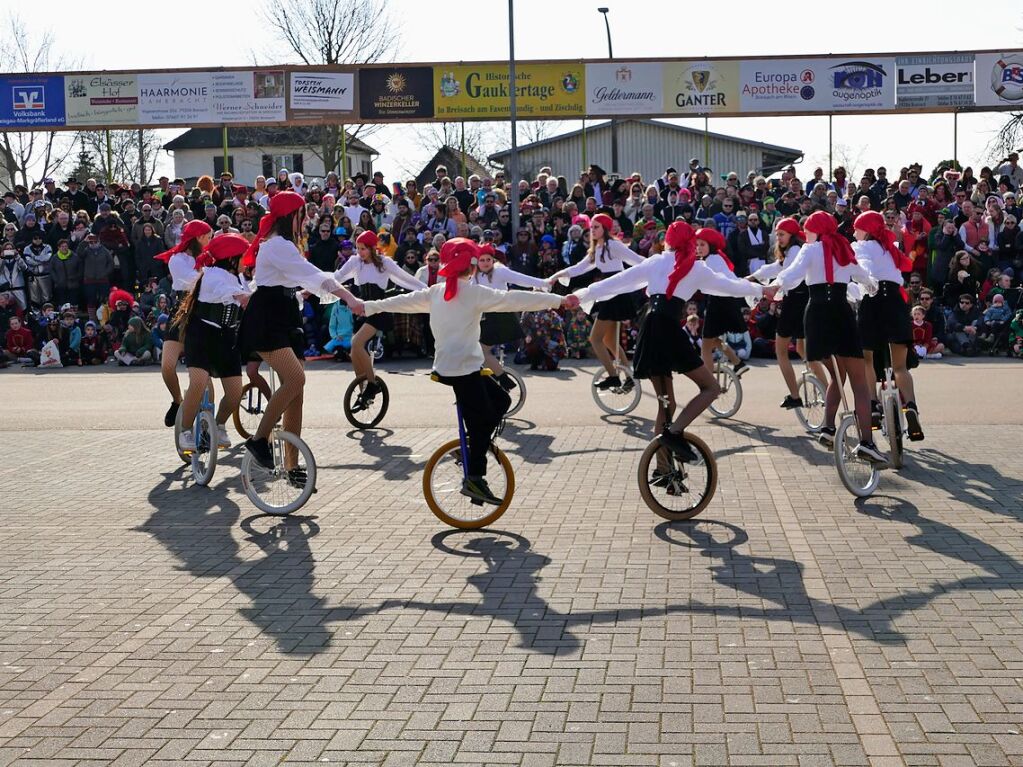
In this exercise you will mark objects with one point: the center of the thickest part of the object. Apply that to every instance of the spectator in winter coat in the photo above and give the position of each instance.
(149, 245)
(962, 327)
(946, 245)
(97, 266)
(66, 268)
(93, 347)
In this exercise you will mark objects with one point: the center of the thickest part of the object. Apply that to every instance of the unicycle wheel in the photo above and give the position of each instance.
(675, 490)
(729, 401)
(518, 394)
(280, 491)
(363, 415)
(859, 476)
(811, 415)
(442, 487)
(204, 456)
(250, 410)
(617, 400)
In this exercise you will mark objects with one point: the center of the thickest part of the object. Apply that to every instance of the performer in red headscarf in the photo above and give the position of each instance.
(723, 315)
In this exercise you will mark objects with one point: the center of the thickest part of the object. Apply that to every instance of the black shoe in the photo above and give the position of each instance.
(297, 478)
(826, 436)
(506, 381)
(869, 452)
(260, 449)
(611, 382)
(370, 392)
(171, 415)
(629, 383)
(876, 414)
(791, 403)
(740, 369)
(914, 430)
(678, 444)
(477, 489)
(661, 479)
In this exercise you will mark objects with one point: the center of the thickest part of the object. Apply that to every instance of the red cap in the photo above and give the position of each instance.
(712, 237)
(456, 255)
(367, 238)
(605, 221)
(193, 230)
(281, 204)
(220, 248)
(119, 294)
(488, 249)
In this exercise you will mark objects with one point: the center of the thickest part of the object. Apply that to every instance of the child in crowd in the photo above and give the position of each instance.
(159, 334)
(545, 339)
(19, 345)
(577, 334)
(93, 346)
(136, 346)
(740, 343)
(70, 339)
(994, 321)
(692, 329)
(924, 342)
(341, 329)
(1016, 334)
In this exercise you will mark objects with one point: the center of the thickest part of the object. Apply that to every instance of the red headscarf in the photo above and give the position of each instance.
(837, 249)
(605, 221)
(791, 226)
(681, 239)
(488, 249)
(456, 255)
(281, 205)
(716, 240)
(222, 247)
(873, 224)
(193, 230)
(369, 239)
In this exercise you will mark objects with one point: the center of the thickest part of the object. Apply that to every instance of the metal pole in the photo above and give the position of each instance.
(706, 142)
(223, 141)
(584, 144)
(110, 159)
(344, 156)
(463, 149)
(512, 171)
(614, 122)
(142, 160)
(955, 138)
(830, 159)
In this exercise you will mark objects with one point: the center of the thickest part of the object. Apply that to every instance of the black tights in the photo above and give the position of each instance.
(483, 404)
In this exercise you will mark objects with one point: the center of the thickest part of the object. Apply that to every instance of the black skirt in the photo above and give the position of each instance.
(214, 350)
(830, 324)
(616, 309)
(885, 318)
(662, 346)
(724, 315)
(173, 333)
(383, 321)
(793, 310)
(272, 321)
(500, 328)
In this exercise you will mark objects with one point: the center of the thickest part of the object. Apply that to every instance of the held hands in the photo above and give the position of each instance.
(357, 306)
(571, 301)
(770, 291)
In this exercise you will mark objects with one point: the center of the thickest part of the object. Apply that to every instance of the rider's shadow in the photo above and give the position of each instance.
(538, 448)
(394, 462)
(197, 525)
(803, 445)
(979, 485)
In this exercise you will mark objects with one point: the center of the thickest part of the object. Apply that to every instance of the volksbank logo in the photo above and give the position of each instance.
(29, 98)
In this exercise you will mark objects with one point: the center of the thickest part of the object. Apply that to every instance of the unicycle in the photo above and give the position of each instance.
(812, 392)
(375, 346)
(253, 401)
(893, 423)
(518, 393)
(448, 467)
(203, 455)
(360, 413)
(859, 476)
(288, 485)
(186, 455)
(729, 400)
(622, 399)
(671, 488)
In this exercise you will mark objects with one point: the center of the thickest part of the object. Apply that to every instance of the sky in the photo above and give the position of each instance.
(233, 35)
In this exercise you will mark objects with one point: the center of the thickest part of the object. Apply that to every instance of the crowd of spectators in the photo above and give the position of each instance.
(78, 263)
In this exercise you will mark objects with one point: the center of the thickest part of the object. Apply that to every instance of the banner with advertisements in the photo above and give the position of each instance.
(100, 99)
(396, 93)
(999, 80)
(246, 97)
(934, 81)
(817, 85)
(624, 88)
(322, 94)
(701, 87)
(31, 102)
(481, 91)
(175, 98)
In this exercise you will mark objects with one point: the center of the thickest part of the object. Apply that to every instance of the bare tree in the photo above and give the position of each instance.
(334, 32)
(531, 131)
(481, 138)
(31, 155)
(125, 154)
(1008, 138)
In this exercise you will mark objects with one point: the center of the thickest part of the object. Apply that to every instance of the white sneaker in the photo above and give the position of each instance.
(223, 441)
(934, 356)
(186, 441)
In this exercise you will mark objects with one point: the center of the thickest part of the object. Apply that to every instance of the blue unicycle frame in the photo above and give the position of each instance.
(462, 441)
(207, 405)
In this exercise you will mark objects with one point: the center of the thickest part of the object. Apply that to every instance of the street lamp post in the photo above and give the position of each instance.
(614, 123)
(512, 171)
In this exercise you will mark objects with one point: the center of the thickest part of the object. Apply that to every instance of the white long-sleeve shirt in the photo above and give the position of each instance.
(615, 258)
(877, 261)
(653, 274)
(280, 263)
(500, 277)
(456, 323)
(366, 273)
(718, 264)
(182, 271)
(808, 267)
(219, 286)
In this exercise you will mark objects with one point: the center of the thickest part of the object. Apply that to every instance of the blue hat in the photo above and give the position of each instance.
(548, 239)
(162, 318)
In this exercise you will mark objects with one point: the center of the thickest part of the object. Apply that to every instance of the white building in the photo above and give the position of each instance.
(259, 152)
(649, 147)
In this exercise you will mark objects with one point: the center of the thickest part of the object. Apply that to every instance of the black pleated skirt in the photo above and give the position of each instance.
(214, 350)
(793, 311)
(500, 328)
(724, 315)
(885, 318)
(830, 324)
(382, 321)
(662, 346)
(271, 321)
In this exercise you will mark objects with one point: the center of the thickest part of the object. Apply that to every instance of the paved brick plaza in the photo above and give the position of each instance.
(146, 621)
